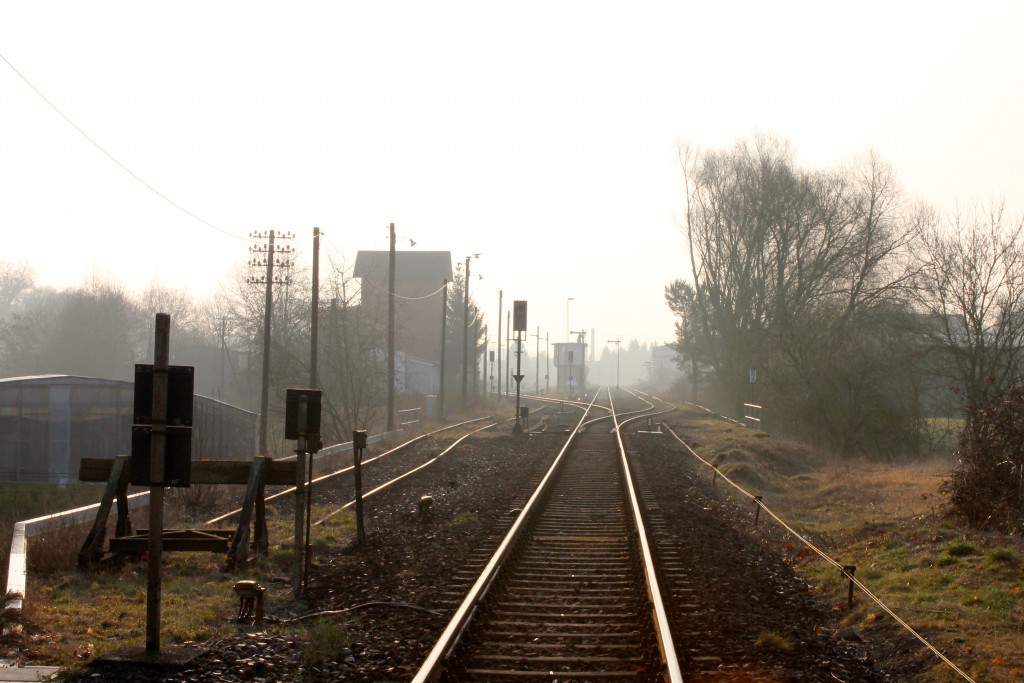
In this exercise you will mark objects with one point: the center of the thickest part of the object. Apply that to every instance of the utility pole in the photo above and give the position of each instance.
(223, 354)
(305, 488)
(547, 363)
(465, 335)
(581, 339)
(266, 256)
(501, 294)
(391, 331)
(536, 383)
(616, 342)
(444, 340)
(465, 338)
(508, 347)
(314, 316)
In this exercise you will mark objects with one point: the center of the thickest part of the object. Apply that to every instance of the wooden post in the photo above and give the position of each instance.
(358, 444)
(848, 572)
(298, 561)
(161, 358)
(124, 520)
(238, 553)
(92, 547)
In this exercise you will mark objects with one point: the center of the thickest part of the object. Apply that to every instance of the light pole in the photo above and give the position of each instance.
(536, 383)
(465, 336)
(616, 342)
(581, 339)
(567, 340)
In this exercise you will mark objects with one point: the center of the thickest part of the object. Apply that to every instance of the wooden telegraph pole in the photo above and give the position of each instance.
(444, 340)
(391, 330)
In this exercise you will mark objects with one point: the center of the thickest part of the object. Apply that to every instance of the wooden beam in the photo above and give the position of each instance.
(229, 472)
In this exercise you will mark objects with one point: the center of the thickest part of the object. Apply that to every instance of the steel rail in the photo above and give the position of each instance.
(408, 473)
(430, 670)
(340, 448)
(659, 613)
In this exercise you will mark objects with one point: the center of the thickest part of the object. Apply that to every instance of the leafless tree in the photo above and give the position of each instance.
(790, 267)
(15, 280)
(971, 286)
(352, 359)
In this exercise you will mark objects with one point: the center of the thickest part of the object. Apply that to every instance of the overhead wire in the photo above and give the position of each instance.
(110, 156)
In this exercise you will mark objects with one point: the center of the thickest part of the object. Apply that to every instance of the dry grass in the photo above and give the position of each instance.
(962, 590)
(84, 614)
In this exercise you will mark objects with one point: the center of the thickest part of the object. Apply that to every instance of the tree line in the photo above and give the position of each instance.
(854, 314)
(101, 329)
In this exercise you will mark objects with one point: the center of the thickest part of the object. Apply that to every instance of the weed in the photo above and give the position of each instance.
(774, 640)
(461, 518)
(961, 549)
(328, 642)
(1002, 556)
(997, 600)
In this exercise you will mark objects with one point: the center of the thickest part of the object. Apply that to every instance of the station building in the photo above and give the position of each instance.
(48, 423)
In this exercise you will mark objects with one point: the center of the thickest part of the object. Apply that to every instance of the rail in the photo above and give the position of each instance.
(17, 566)
(432, 667)
(660, 614)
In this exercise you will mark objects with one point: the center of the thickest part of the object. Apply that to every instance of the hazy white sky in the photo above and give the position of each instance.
(541, 135)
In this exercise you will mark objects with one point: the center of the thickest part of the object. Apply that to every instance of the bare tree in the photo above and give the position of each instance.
(789, 269)
(971, 286)
(352, 361)
(86, 331)
(15, 280)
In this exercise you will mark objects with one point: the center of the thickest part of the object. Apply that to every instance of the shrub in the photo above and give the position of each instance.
(986, 488)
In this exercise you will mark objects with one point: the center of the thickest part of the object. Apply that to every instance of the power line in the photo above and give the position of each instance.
(110, 156)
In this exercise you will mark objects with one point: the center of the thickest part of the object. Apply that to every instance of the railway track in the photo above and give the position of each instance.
(571, 594)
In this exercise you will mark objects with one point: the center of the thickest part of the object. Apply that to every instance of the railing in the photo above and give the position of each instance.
(752, 415)
(17, 567)
(409, 416)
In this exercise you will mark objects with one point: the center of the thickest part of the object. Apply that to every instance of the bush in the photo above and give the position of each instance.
(986, 488)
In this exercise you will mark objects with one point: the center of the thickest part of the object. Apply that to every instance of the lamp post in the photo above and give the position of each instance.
(465, 336)
(616, 342)
(567, 340)
(581, 339)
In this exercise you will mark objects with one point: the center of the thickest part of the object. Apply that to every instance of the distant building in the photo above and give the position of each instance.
(418, 274)
(48, 423)
(571, 370)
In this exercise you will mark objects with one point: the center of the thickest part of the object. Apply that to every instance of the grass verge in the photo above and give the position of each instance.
(962, 590)
(72, 616)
